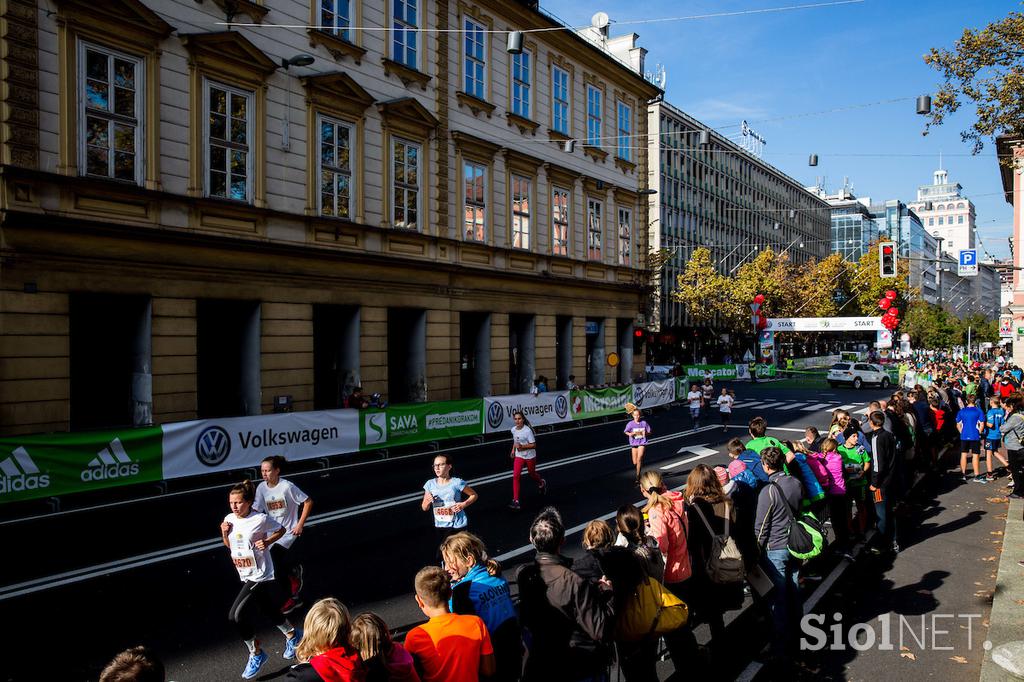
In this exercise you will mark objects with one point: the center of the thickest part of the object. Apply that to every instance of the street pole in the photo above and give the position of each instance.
(968, 342)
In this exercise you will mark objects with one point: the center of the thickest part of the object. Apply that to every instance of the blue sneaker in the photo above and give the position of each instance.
(256, 662)
(293, 641)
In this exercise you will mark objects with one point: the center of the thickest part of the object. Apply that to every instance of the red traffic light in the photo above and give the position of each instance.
(887, 250)
(638, 333)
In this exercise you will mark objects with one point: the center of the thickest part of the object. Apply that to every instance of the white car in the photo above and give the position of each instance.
(857, 374)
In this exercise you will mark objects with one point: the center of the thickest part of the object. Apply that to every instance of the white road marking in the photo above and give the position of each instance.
(814, 408)
(771, 406)
(793, 406)
(701, 453)
(847, 407)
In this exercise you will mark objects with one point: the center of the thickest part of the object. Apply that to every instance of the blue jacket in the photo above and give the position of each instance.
(488, 594)
(802, 471)
(755, 477)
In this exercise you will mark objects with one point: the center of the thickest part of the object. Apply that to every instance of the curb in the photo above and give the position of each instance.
(1006, 624)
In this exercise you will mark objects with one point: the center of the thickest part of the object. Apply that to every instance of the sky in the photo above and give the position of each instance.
(768, 66)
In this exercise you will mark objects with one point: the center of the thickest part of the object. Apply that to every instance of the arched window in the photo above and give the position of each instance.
(960, 205)
(940, 207)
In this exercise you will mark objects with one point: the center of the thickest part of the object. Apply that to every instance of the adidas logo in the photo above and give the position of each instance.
(110, 462)
(18, 473)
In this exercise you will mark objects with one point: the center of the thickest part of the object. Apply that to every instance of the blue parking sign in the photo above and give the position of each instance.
(968, 264)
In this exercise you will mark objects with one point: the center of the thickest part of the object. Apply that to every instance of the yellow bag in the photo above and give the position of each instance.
(651, 610)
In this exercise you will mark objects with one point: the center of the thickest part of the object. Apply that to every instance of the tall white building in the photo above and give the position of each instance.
(946, 213)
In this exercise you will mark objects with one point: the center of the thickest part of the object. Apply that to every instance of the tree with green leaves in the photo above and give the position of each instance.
(700, 287)
(985, 67)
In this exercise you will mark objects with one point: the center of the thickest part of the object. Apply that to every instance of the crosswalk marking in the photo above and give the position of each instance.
(771, 406)
(793, 406)
(819, 406)
(846, 407)
(700, 452)
(746, 405)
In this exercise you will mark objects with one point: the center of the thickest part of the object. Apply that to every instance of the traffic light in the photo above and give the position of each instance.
(638, 333)
(887, 259)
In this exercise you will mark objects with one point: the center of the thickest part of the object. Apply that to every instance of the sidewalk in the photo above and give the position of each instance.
(1006, 632)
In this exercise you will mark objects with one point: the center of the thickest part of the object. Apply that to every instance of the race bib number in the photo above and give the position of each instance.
(443, 515)
(277, 509)
(245, 562)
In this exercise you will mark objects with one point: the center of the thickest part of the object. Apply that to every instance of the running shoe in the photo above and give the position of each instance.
(514, 505)
(291, 605)
(296, 580)
(293, 641)
(543, 487)
(256, 662)
(966, 478)
(980, 479)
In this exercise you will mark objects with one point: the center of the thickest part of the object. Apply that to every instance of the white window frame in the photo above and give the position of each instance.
(595, 232)
(112, 118)
(250, 97)
(521, 218)
(563, 103)
(349, 127)
(522, 87)
(470, 233)
(342, 31)
(418, 187)
(625, 236)
(404, 26)
(560, 247)
(624, 133)
(472, 27)
(595, 140)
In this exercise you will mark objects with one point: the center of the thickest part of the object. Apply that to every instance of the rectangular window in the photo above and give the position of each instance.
(940, 220)
(475, 61)
(336, 17)
(560, 221)
(560, 100)
(403, 27)
(228, 132)
(624, 122)
(960, 220)
(625, 236)
(521, 187)
(109, 107)
(595, 210)
(931, 222)
(474, 209)
(593, 116)
(405, 171)
(335, 168)
(521, 84)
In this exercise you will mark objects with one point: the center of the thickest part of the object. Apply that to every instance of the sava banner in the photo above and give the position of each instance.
(61, 463)
(420, 422)
(208, 445)
(550, 407)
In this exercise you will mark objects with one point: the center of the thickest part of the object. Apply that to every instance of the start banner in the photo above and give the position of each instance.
(599, 402)
(61, 463)
(208, 445)
(420, 423)
(551, 407)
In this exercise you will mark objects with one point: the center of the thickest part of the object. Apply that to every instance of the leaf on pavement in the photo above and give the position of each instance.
(978, 584)
(996, 500)
(1020, 602)
(908, 655)
(958, 659)
(989, 558)
(996, 532)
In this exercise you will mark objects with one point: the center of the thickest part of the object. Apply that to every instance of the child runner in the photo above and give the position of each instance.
(282, 500)
(524, 452)
(443, 496)
(637, 430)
(708, 390)
(994, 418)
(695, 397)
(969, 422)
(249, 535)
(725, 403)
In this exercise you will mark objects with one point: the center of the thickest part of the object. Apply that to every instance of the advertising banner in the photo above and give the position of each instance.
(824, 324)
(207, 445)
(742, 372)
(766, 371)
(765, 339)
(718, 372)
(598, 402)
(61, 463)
(1006, 326)
(551, 407)
(654, 393)
(883, 339)
(420, 422)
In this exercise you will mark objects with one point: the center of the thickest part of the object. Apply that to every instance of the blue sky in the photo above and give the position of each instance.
(766, 66)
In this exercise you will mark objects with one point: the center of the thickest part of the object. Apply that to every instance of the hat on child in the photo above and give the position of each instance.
(736, 467)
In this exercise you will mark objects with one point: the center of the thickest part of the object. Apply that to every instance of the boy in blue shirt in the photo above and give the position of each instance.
(994, 418)
(970, 421)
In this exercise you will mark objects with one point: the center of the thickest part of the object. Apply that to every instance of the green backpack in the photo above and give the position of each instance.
(806, 532)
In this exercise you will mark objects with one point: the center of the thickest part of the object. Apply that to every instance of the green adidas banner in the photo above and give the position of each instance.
(597, 402)
(420, 422)
(62, 463)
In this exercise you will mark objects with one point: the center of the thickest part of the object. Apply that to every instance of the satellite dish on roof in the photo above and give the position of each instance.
(600, 20)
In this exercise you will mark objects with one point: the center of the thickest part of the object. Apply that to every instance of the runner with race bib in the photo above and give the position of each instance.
(446, 498)
(284, 502)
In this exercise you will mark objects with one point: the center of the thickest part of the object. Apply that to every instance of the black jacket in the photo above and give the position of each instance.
(884, 460)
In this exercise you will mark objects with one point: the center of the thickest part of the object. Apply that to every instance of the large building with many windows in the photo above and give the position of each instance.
(207, 220)
(946, 213)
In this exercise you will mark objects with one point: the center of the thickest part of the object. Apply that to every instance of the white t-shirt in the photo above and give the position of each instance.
(725, 403)
(283, 503)
(524, 436)
(708, 391)
(252, 564)
(694, 398)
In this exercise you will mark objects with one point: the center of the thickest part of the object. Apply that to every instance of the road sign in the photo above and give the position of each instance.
(968, 265)
(754, 307)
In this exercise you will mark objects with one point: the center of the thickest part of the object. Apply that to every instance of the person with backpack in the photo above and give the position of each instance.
(777, 503)
(715, 558)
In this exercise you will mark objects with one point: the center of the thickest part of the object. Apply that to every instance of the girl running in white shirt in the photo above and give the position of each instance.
(249, 535)
(725, 402)
(524, 453)
(284, 502)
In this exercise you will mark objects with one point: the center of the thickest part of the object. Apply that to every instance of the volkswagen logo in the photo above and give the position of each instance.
(495, 415)
(561, 407)
(213, 446)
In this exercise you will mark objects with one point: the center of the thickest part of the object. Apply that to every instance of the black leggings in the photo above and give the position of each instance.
(252, 598)
(284, 560)
(1016, 460)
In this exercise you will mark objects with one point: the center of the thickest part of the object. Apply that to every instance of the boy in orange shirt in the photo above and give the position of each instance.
(448, 647)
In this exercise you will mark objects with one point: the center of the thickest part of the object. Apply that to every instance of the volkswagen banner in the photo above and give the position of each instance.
(551, 407)
(654, 393)
(208, 445)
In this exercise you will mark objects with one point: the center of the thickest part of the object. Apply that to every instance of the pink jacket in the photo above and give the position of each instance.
(828, 468)
(668, 527)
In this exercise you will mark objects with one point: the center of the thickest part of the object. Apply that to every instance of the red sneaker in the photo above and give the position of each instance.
(290, 605)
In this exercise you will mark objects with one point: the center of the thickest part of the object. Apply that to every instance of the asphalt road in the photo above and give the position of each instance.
(91, 583)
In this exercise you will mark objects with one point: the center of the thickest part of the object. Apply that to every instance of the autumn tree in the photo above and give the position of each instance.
(985, 67)
(700, 287)
(822, 287)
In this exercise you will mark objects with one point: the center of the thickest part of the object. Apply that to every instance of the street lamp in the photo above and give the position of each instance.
(515, 42)
(924, 105)
(300, 59)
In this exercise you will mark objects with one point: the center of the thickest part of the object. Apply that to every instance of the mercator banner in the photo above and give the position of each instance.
(62, 463)
(551, 407)
(654, 393)
(207, 445)
(718, 372)
(420, 422)
(598, 402)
